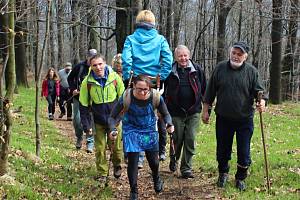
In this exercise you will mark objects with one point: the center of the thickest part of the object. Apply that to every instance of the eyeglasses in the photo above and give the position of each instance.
(143, 90)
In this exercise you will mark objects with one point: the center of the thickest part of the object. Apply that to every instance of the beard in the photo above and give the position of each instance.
(235, 65)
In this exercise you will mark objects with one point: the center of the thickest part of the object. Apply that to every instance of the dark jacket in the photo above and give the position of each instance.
(235, 90)
(77, 75)
(198, 83)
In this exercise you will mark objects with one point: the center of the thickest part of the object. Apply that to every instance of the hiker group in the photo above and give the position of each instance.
(134, 104)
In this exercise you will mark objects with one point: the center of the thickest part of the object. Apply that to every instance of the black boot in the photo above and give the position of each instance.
(133, 196)
(172, 165)
(222, 180)
(158, 185)
(239, 184)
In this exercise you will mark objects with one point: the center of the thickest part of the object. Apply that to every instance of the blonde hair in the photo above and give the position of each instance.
(145, 16)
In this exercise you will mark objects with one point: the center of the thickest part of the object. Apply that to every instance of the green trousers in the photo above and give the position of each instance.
(101, 139)
(184, 139)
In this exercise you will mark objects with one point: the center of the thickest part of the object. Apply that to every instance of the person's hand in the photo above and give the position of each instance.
(170, 129)
(261, 106)
(89, 132)
(75, 92)
(113, 135)
(205, 117)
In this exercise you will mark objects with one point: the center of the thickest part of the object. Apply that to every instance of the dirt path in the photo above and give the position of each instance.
(201, 187)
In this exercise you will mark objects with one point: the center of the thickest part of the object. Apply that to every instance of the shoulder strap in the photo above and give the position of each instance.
(155, 98)
(89, 85)
(126, 100)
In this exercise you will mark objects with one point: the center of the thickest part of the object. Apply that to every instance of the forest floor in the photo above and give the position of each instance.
(201, 187)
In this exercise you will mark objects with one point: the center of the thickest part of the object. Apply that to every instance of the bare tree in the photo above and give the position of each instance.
(275, 70)
(225, 7)
(9, 92)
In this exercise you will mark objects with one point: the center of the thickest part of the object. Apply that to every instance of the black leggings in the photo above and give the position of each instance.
(132, 168)
(51, 103)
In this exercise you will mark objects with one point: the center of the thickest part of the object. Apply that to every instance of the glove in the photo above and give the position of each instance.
(113, 135)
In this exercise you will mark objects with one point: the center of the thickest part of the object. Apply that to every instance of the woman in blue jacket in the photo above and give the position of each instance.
(145, 51)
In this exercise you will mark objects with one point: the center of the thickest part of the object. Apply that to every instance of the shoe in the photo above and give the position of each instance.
(78, 143)
(101, 179)
(117, 171)
(239, 184)
(140, 165)
(172, 165)
(187, 175)
(61, 115)
(162, 157)
(222, 180)
(89, 147)
(133, 196)
(51, 117)
(158, 185)
(69, 118)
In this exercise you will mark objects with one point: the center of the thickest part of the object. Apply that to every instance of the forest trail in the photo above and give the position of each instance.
(201, 187)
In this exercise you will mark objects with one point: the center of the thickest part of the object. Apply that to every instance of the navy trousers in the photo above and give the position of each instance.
(225, 130)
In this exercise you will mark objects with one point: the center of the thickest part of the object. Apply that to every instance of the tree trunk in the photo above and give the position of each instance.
(3, 30)
(169, 29)
(60, 32)
(10, 91)
(20, 49)
(92, 32)
(75, 32)
(122, 24)
(177, 18)
(161, 20)
(224, 9)
(275, 71)
(38, 82)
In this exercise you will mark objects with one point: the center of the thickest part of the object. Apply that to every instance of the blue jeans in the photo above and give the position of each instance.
(225, 130)
(77, 123)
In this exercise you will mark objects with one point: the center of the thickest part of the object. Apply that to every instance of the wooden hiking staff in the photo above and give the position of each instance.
(114, 133)
(259, 97)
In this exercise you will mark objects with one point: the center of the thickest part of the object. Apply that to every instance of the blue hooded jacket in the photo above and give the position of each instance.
(146, 52)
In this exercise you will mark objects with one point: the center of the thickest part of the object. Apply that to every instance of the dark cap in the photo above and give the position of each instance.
(242, 45)
(91, 53)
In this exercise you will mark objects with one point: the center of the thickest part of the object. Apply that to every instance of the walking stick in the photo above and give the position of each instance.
(114, 133)
(172, 154)
(259, 97)
(130, 79)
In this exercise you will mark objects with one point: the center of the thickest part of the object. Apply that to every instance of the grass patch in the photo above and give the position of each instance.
(64, 173)
(59, 173)
(282, 130)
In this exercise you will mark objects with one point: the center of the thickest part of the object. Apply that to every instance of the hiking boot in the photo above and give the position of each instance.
(140, 165)
(133, 196)
(51, 117)
(117, 171)
(61, 115)
(158, 185)
(162, 157)
(89, 147)
(239, 184)
(78, 143)
(187, 175)
(172, 165)
(222, 180)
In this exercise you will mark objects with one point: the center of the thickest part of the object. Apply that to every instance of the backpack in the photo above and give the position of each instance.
(127, 100)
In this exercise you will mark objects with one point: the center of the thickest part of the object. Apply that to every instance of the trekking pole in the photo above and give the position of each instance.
(114, 133)
(172, 154)
(69, 99)
(130, 79)
(259, 97)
